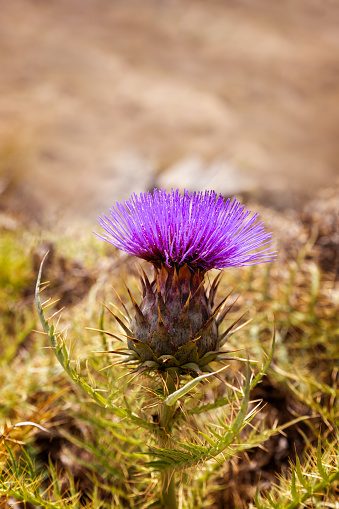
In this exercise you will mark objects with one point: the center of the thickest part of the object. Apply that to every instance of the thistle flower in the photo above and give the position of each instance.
(200, 230)
(175, 328)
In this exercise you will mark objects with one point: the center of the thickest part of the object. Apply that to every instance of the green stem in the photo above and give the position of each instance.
(168, 493)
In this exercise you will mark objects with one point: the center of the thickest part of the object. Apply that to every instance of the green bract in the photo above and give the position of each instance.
(175, 328)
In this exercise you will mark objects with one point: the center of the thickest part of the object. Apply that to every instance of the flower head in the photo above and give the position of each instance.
(176, 326)
(200, 230)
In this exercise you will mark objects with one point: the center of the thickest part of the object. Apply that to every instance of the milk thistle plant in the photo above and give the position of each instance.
(175, 333)
(175, 328)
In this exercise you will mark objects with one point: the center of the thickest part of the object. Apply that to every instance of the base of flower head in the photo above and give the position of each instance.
(175, 328)
(171, 365)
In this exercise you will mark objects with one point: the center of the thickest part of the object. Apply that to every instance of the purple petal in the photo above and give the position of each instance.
(198, 229)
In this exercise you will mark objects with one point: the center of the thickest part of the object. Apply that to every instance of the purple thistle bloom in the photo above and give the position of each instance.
(200, 230)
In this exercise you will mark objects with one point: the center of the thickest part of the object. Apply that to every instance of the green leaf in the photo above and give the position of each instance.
(62, 356)
(320, 467)
(300, 476)
(175, 396)
(294, 491)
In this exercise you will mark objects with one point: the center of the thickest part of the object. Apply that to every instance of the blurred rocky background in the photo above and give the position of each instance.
(101, 98)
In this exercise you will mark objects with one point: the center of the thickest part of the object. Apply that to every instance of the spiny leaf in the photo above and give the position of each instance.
(175, 396)
(62, 356)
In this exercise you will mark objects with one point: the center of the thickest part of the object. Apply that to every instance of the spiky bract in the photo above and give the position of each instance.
(175, 329)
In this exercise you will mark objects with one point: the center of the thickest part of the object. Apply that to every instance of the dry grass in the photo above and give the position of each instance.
(89, 450)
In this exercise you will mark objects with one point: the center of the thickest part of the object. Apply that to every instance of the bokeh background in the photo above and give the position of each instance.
(100, 98)
(103, 98)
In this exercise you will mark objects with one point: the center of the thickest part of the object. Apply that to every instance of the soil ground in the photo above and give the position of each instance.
(100, 97)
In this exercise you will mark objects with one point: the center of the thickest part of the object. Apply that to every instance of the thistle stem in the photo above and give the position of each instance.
(168, 491)
(168, 494)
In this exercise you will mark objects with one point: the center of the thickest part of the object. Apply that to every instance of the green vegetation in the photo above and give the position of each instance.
(268, 441)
